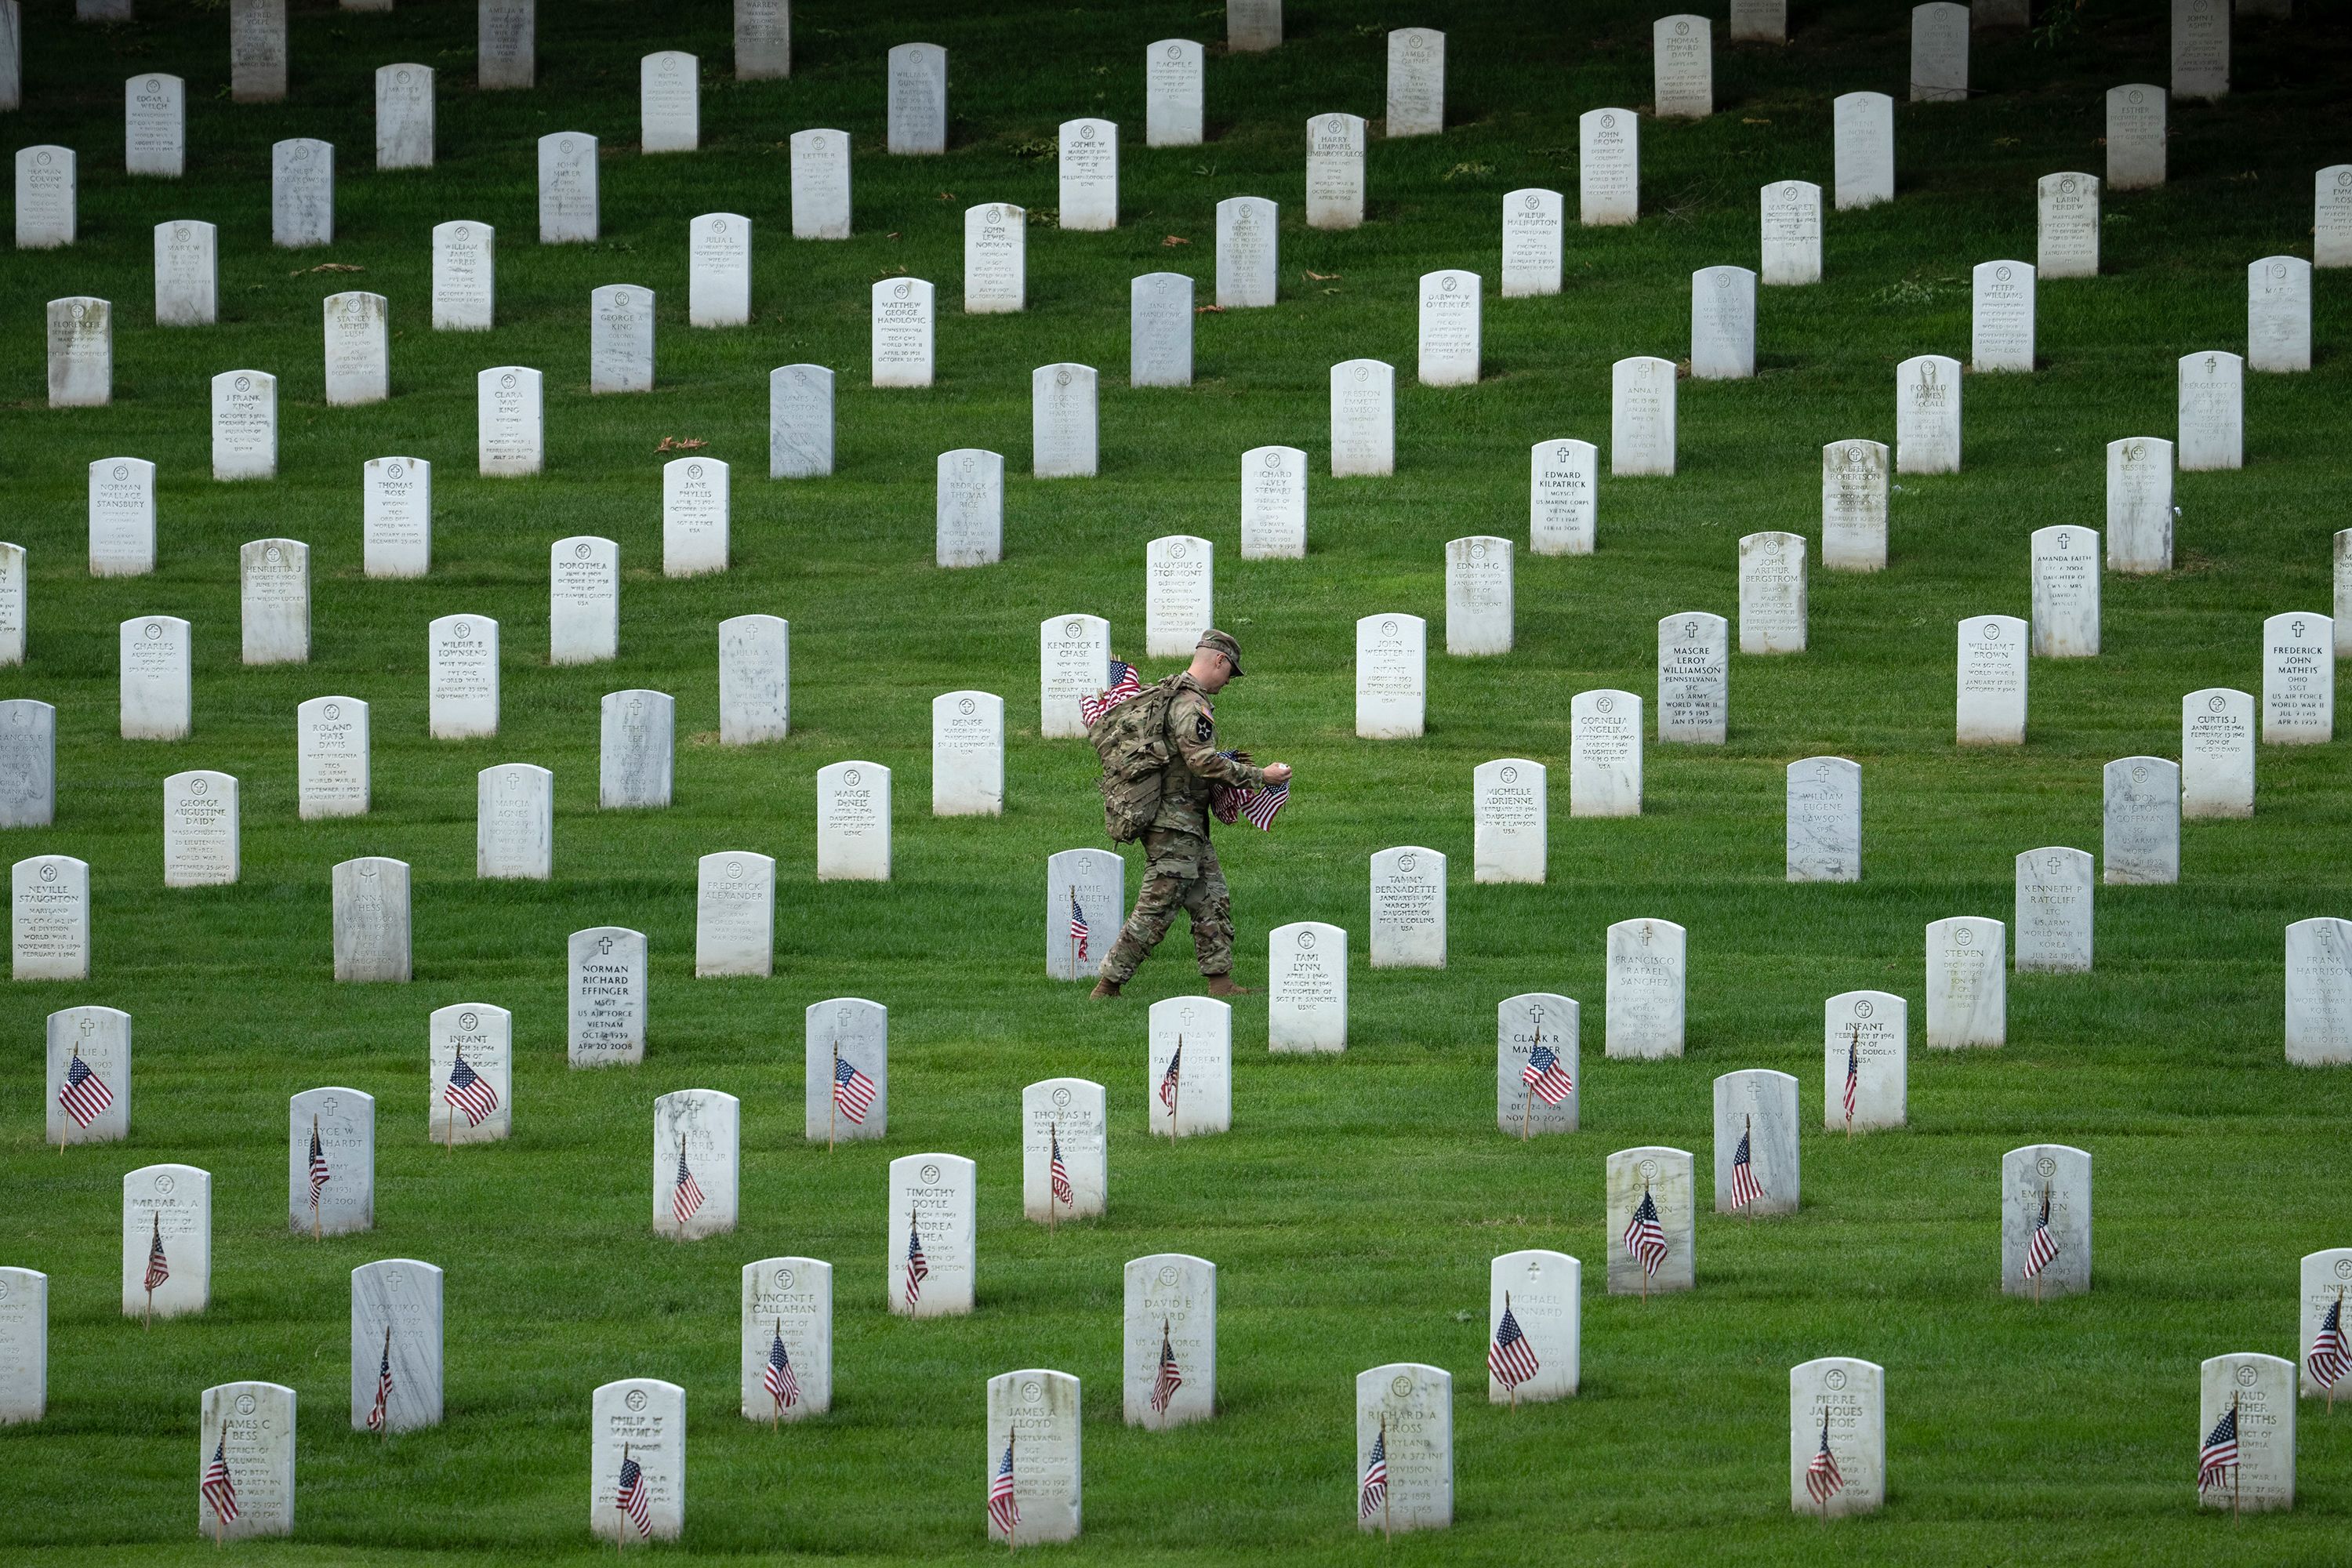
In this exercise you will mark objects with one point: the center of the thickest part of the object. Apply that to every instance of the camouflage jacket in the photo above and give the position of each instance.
(1196, 768)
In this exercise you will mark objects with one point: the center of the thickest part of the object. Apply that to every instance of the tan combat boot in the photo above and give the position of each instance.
(1223, 985)
(1103, 989)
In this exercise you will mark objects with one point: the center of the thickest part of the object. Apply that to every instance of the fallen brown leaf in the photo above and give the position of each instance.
(1208, 309)
(681, 443)
(1175, 239)
(326, 267)
(1323, 276)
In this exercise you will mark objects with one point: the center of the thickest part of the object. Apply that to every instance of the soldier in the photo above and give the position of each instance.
(1180, 866)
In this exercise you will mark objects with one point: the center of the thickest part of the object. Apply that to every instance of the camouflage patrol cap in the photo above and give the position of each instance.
(1216, 641)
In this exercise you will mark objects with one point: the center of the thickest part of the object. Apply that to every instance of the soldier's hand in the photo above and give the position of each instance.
(1278, 773)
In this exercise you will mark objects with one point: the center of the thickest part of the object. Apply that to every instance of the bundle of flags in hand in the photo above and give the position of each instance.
(1230, 802)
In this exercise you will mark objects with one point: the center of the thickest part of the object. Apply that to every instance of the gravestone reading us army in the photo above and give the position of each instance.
(2054, 910)
(1694, 678)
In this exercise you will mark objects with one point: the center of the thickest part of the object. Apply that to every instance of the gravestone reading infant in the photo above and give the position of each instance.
(1865, 1052)
(475, 1106)
(1391, 677)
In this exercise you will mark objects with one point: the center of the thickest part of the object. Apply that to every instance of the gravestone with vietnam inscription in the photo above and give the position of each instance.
(788, 1299)
(734, 914)
(396, 1334)
(480, 1110)
(1510, 817)
(605, 1010)
(1171, 1315)
(1694, 678)
(1562, 485)
(1523, 1022)
(1872, 1030)
(2055, 898)
(1391, 677)
(340, 1124)
(371, 921)
(839, 1107)
(1968, 983)
(1642, 1005)
(1307, 987)
(1408, 907)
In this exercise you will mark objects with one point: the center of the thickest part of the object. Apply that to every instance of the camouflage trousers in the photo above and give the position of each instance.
(1180, 870)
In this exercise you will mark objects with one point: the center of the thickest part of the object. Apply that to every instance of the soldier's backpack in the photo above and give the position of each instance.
(1132, 741)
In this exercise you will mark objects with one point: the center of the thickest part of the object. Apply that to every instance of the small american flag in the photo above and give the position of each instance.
(629, 1495)
(218, 1489)
(158, 1270)
(1124, 684)
(1744, 1190)
(1231, 802)
(1079, 926)
(382, 1386)
(1823, 1479)
(1644, 1237)
(1853, 1072)
(1545, 1076)
(783, 1386)
(469, 1091)
(686, 1193)
(2329, 1359)
(1165, 1384)
(1375, 1489)
(1173, 1076)
(1510, 1358)
(85, 1094)
(1003, 1508)
(1057, 1174)
(853, 1092)
(918, 1269)
(2042, 1250)
(2220, 1450)
(317, 1164)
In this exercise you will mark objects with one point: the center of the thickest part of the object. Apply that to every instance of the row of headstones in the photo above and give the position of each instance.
(1403, 1413)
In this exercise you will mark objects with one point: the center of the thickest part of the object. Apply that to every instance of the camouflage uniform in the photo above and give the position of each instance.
(1180, 866)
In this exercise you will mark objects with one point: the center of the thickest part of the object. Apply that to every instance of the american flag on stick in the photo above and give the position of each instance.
(629, 1495)
(383, 1384)
(1511, 1357)
(1231, 802)
(1852, 1073)
(1645, 1239)
(1124, 684)
(319, 1176)
(219, 1488)
(853, 1092)
(1168, 1379)
(1823, 1480)
(1744, 1187)
(84, 1095)
(1003, 1508)
(1547, 1075)
(917, 1268)
(2219, 1458)
(2042, 1251)
(2329, 1359)
(1078, 929)
(782, 1385)
(1170, 1080)
(469, 1092)
(158, 1268)
(685, 1192)
(1057, 1174)
(1373, 1493)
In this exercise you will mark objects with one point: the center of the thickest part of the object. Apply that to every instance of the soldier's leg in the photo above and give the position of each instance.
(1211, 905)
(1170, 863)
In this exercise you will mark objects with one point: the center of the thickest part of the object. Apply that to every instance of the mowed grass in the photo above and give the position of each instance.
(1354, 1208)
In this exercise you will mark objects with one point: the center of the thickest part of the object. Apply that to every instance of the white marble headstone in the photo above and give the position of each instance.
(274, 592)
(1667, 1176)
(509, 424)
(1824, 827)
(154, 124)
(638, 750)
(48, 918)
(1065, 1113)
(820, 182)
(969, 507)
(734, 914)
(250, 1427)
(917, 103)
(787, 1298)
(2325, 1278)
(1170, 1300)
(1534, 224)
(187, 273)
(1939, 53)
(621, 339)
(1641, 1010)
(2136, 131)
(606, 996)
(1449, 327)
(1928, 415)
(1408, 909)
(2063, 1172)
(1073, 661)
(1607, 167)
(2200, 48)
(80, 352)
(2217, 753)
(995, 258)
(583, 600)
(800, 422)
(47, 207)
(1682, 68)
(2065, 593)
(1873, 1029)
(201, 838)
(2055, 918)
(403, 117)
(358, 334)
(344, 1120)
(967, 755)
(1542, 1292)
(1604, 754)
(2143, 821)
(1416, 83)
(1863, 132)
(464, 277)
(156, 655)
(2001, 324)
(244, 425)
(1200, 1098)
(1695, 678)
(754, 679)
(484, 1035)
(902, 332)
(1478, 598)
(1842, 1401)
(1363, 418)
(1089, 174)
(1407, 1407)
(1968, 983)
(845, 1031)
(506, 37)
(462, 680)
(2213, 426)
(1249, 243)
(1335, 171)
(1035, 1416)
(1991, 664)
(1853, 506)
(302, 194)
(853, 823)
(1791, 233)
(1391, 677)
(719, 270)
(175, 1202)
(763, 40)
(2139, 505)
(100, 1038)
(670, 102)
(1273, 503)
(2278, 314)
(2298, 680)
(372, 916)
(2067, 229)
(257, 74)
(1307, 987)
(1511, 820)
(1772, 599)
(1159, 329)
(1642, 416)
(642, 1419)
(1252, 25)
(2331, 226)
(1760, 1105)
(121, 517)
(568, 207)
(28, 762)
(696, 510)
(25, 1298)
(1723, 324)
(1173, 75)
(2261, 1389)
(397, 1320)
(933, 1206)
(1063, 426)
(2318, 994)
(706, 1125)
(1521, 1023)
(1562, 478)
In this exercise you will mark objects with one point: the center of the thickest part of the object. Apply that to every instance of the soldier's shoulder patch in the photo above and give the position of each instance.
(1204, 727)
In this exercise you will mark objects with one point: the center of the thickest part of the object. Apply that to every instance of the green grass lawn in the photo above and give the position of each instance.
(1353, 1209)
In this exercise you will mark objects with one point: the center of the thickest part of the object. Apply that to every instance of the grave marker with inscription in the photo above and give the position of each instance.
(1089, 175)
(1694, 678)
(902, 332)
(23, 1292)
(1036, 1414)
(514, 822)
(1871, 1029)
(1756, 1110)
(1072, 662)
(1178, 598)
(1511, 820)
(1274, 504)
(2136, 131)
(568, 207)
(1391, 677)
(1522, 1023)
(80, 352)
(2054, 911)
(2212, 411)
(302, 194)
(1170, 1314)
(698, 1161)
(1562, 485)
(1968, 983)
(244, 425)
(248, 1428)
(1335, 171)
(719, 270)
(1407, 1409)
(853, 823)
(187, 273)
(1642, 416)
(464, 277)
(1607, 167)
(2000, 324)
(2298, 680)
(696, 510)
(1772, 601)
(1200, 1099)
(1249, 245)
(917, 113)
(2065, 593)
(995, 259)
(638, 757)
(1160, 330)
(820, 183)
(967, 755)
(372, 930)
(274, 592)
(1853, 506)
(2200, 48)
(121, 517)
(156, 654)
(1172, 77)
(1062, 1119)
(1992, 665)
(2061, 1175)
(510, 425)
(1408, 909)
(606, 1011)
(397, 1325)
(1363, 418)
(462, 678)
(2260, 1391)
(331, 1131)
(840, 1107)
(1928, 415)
(1604, 754)
(1416, 95)
(201, 838)
(1642, 1009)
(2217, 753)
(800, 422)
(640, 1421)
(2139, 505)
(1682, 68)
(1792, 233)
(173, 1204)
(154, 124)
(257, 74)
(583, 600)
(2142, 821)
(763, 40)
(670, 102)
(2318, 993)
(1939, 53)
(2067, 227)
(358, 330)
(788, 1299)
(481, 1108)
(1662, 1177)
(93, 1105)
(49, 925)
(1863, 132)
(1449, 327)
(734, 914)
(1824, 820)
(1838, 1404)
(2278, 314)
(1534, 225)
(1478, 597)
(46, 198)
(968, 522)
(1063, 426)
(403, 117)
(1307, 987)
(933, 1200)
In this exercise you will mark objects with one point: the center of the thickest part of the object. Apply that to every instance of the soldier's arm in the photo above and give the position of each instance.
(1193, 732)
